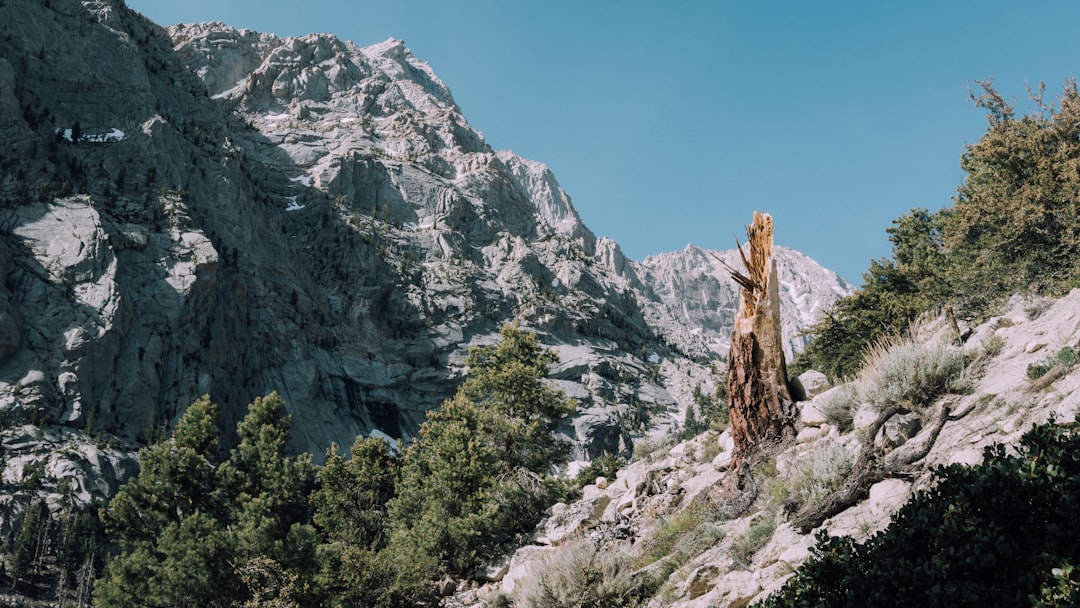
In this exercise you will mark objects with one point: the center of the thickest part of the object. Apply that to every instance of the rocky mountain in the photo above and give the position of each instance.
(696, 288)
(202, 210)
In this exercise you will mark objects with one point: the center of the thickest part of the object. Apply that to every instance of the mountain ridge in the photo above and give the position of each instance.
(203, 210)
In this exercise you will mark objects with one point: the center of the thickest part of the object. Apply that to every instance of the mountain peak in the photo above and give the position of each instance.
(240, 213)
(699, 290)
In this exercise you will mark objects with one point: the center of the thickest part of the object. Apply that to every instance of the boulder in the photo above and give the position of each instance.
(727, 450)
(809, 384)
(525, 563)
(568, 520)
(898, 429)
(888, 495)
(811, 415)
(496, 569)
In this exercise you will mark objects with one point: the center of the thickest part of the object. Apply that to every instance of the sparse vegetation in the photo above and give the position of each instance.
(993, 345)
(911, 372)
(813, 477)
(747, 544)
(583, 576)
(648, 449)
(1061, 360)
(839, 405)
(679, 538)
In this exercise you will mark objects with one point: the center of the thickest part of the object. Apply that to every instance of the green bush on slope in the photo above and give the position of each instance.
(1014, 227)
(1002, 533)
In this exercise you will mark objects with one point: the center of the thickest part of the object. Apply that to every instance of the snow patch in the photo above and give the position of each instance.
(304, 180)
(277, 117)
(293, 205)
(112, 136)
(228, 92)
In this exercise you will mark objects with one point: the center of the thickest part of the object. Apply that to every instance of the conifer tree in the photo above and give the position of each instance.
(173, 552)
(477, 476)
(194, 531)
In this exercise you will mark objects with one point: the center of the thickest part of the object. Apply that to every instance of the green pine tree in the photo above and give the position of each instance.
(173, 552)
(194, 531)
(477, 477)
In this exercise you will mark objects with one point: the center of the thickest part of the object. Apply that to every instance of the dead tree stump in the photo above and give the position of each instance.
(762, 410)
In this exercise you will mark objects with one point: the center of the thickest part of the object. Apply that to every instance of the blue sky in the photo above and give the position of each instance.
(671, 122)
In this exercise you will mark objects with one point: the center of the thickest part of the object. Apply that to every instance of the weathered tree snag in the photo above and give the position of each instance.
(762, 410)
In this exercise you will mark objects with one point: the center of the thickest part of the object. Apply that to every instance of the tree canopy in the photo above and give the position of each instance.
(1014, 227)
(262, 528)
(478, 475)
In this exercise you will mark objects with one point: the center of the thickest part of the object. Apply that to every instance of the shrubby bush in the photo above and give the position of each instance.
(1012, 228)
(581, 575)
(1002, 533)
(605, 465)
(814, 476)
(839, 405)
(911, 372)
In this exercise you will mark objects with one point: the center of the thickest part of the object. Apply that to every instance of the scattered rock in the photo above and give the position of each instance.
(734, 590)
(810, 433)
(700, 581)
(809, 384)
(569, 520)
(1034, 346)
(811, 415)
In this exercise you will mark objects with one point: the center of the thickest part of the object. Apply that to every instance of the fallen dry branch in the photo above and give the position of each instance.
(870, 467)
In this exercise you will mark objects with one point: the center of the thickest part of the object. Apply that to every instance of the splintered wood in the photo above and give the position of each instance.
(762, 410)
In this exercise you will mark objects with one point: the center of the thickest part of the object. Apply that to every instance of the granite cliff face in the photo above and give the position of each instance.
(202, 210)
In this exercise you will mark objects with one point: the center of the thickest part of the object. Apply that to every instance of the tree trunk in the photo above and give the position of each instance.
(762, 410)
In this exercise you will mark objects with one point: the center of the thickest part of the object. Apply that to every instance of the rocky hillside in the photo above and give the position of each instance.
(673, 513)
(203, 210)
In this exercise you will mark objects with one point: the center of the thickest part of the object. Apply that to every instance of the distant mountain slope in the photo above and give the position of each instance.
(700, 294)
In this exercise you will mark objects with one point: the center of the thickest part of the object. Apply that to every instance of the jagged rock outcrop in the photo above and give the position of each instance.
(202, 210)
(699, 292)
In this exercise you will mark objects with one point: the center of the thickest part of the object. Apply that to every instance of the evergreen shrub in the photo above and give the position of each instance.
(1002, 533)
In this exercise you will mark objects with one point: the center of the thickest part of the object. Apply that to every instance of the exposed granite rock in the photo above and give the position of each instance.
(202, 210)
